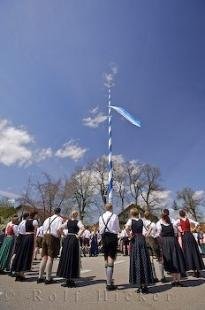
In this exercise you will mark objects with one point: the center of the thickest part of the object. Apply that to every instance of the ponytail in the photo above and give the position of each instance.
(165, 216)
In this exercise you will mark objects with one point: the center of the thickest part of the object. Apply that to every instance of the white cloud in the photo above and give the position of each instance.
(94, 121)
(118, 159)
(43, 154)
(110, 77)
(162, 199)
(71, 150)
(164, 196)
(94, 110)
(14, 145)
(199, 195)
(9, 195)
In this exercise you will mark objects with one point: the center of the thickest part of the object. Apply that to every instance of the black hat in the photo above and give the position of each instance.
(57, 210)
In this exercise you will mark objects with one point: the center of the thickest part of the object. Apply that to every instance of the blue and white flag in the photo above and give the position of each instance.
(126, 115)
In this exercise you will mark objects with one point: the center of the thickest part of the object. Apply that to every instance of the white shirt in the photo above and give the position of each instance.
(113, 225)
(21, 230)
(55, 224)
(123, 233)
(148, 225)
(86, 234)
(39, 232)
(15, 229)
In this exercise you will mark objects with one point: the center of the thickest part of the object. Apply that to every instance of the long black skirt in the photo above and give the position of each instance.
(69, 264)
(140, 272)
(24, 253)
(173, 257)
(192, 255)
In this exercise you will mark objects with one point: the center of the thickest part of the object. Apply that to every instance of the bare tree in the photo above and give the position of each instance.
(100, 170)
(120, 182)
(28, 197)
(191, 200)
(134, 173)
(82, 190)
(47, 194)
(51, 193)
(150, 178)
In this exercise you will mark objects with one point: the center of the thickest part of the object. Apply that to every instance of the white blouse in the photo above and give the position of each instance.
(79, 224)
(159, 227)
(129, 222)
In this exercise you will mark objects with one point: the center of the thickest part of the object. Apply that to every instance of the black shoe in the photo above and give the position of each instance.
(173, 283)
(145, 290)
(178, 284)
(40, 280)
(51, 281)
(111, 287)
(163, 280)
(139, 290)
(20, 278)
(69, 283)
(11, 274)
(196, 274)
(156, 280)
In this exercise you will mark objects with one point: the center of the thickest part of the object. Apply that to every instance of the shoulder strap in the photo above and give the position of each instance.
(50, 222)
(106, 223)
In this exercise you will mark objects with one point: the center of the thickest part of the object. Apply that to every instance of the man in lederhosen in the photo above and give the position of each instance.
(50, 245)
(109, 228)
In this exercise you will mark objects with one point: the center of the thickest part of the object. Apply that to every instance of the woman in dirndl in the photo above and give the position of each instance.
(69, 264)
(94, 242)
(140, 272)
(173, 258)
(6, 249)
(190, 247)
(24, 252)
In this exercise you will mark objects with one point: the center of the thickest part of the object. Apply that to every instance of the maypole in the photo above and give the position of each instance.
(110, 180)
(109, 83)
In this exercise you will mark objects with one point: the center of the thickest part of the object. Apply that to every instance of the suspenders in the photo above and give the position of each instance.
(49, 226)
(106, 223)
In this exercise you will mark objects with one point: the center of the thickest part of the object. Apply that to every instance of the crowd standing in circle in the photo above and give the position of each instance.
(165, 242)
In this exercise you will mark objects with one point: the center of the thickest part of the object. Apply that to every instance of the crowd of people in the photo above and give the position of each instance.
(168, 243)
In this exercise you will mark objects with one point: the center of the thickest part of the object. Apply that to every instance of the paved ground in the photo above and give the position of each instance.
(90, 293)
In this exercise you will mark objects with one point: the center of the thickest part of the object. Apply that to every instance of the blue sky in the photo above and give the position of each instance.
(53, 55)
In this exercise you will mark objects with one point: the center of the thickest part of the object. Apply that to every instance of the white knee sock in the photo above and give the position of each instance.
(161, 270)
(42, 268)
(109, 274)
(49, 266)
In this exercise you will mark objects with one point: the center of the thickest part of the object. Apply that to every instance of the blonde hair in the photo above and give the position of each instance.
(134, 212)
(108, 206)
(74, 214)
(147, 215)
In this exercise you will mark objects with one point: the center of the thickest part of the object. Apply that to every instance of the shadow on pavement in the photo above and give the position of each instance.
(152, 289)
(192, 283)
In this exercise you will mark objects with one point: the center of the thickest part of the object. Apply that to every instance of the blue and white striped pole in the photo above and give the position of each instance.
(110, 180)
